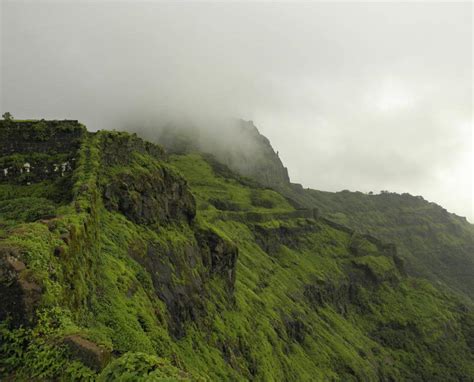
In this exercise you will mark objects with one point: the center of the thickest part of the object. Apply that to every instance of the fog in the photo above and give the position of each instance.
(359, 96)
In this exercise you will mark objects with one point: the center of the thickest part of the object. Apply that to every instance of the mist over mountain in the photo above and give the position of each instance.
(356, 96)
(236, 191)
(121, 261)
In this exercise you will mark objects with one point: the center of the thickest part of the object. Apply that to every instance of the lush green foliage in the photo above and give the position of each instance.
(434, 243)
(230, 193)
(36, 354)
(142, 367)
(305, 306)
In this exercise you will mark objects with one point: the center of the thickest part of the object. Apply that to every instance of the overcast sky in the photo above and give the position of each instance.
(359, 96)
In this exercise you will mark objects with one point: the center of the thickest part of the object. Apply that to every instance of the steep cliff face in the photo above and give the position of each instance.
(179, 269)
(144, 193)
(239, 145)
(253, 156)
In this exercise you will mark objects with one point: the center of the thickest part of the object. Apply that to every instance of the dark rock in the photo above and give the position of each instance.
(290, 235)
(327, 292)
(19, 293)
(90, 354)
(253, 157)
(363, 274)
(182, 291)
(118, 149)
(180, 275)
(150, 197)
(396, 335)
(295, 328)
(145, 193)
(343, 292)
(219, 256)
(261, 163)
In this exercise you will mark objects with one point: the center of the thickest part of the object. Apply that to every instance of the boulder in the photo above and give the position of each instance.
(149, 197)
(89, 353)
(20, 294)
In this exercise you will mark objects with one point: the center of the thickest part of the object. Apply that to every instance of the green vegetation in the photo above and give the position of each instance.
(435, 244)
(216, 188)
(181, 270)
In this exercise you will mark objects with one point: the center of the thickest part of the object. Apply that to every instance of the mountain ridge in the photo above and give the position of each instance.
(134, 264)
(350, 208)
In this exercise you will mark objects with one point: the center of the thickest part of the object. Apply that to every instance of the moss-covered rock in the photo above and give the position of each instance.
(91, 355)
(138, 184)
(20, 293)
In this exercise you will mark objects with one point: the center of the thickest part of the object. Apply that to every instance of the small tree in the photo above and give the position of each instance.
(7, 116)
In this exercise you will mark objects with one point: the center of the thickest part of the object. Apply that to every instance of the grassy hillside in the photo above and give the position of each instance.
(354, 316)
(433, 243)
(155, 268)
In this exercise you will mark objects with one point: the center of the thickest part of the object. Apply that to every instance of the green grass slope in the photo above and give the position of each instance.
(434, 243)
(172, 269)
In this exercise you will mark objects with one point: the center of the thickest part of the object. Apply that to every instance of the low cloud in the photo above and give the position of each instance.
(360, 96)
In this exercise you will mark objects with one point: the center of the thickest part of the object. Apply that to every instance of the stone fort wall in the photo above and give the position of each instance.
(34, 151)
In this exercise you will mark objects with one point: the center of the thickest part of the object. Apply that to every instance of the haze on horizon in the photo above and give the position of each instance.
(359, 96)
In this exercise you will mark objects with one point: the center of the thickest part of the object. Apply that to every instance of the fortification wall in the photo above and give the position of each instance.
(33, 151)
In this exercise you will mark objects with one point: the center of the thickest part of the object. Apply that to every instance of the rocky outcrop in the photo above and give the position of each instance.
(295, 328)
(219, 257)
(237, 144)
(89, 353)
(340, 293)
(146, 194)
(335, 293)
(177, 281)
(288, 233)
(258, 217)
(180, 275)
(253, 156)
(150, 197)
(149, 192)
(121, 149)
(20, 294)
